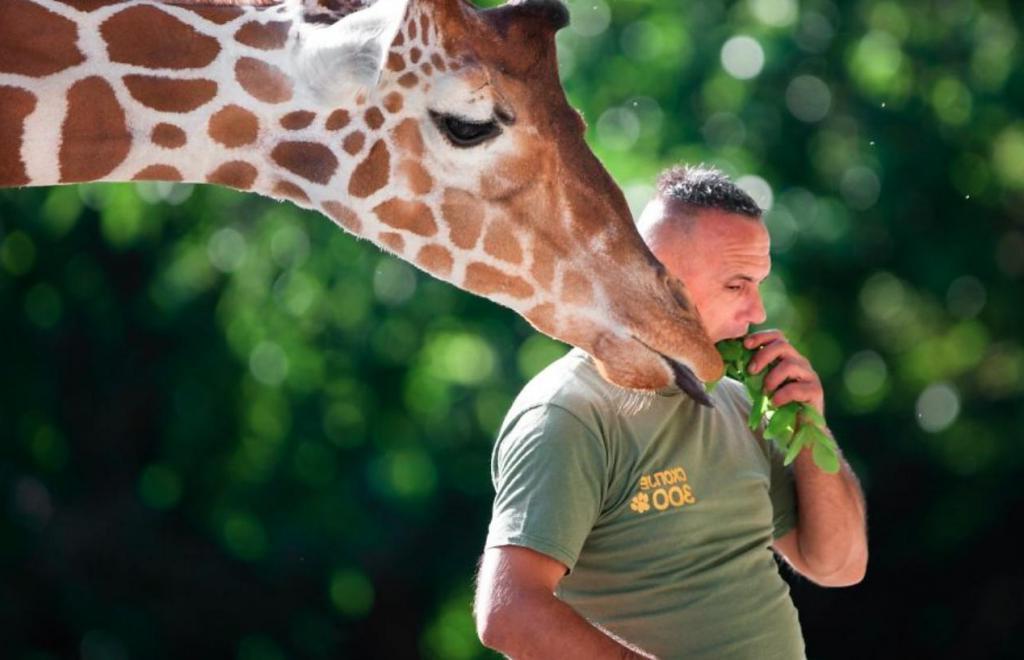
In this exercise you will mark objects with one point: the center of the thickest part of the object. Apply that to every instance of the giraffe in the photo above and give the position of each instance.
(438, 131)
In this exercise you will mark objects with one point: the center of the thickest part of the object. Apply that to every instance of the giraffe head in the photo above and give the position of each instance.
(482, 177)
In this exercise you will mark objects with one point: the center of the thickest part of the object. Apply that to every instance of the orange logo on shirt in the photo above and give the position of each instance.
(662, 490)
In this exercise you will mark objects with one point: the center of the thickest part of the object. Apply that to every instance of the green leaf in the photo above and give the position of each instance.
(825, 458)
(794, 448)
(782, 425)
(731, 349)
(757, 411)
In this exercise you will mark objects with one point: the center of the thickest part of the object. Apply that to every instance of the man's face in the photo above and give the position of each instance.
(722, 259)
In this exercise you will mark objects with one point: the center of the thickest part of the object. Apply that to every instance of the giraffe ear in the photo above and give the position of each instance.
(337, 60)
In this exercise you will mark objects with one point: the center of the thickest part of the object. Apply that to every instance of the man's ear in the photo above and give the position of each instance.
(335, 61)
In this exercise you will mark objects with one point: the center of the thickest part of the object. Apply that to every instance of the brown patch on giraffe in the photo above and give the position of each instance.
(435, 259)
(344, 216)
(17, 105)
(168, 136)
(399, 39)
(415, 54)
(94, 137)
(145, 36)
(291, 191)
(427, 69)
(393, 241)
(374, 118)
(465, 217)
(501, 243)
(577, 289)
(438, 62)
(393, 102)
(219, 15)
(410, 216)
(234, 174)
(408, 80)
(169, 94)
(420, 182)
(310, 160)
(486, 280)
(408, 138)
(372, 173)
(265, 36)
(35, 41)
(395, 61)
(412, 30)
(337, 120)
(234, 126)
(542, 317)
(263, 81)
(294, 121)
(425, 30)
(88, 5)
(353, 142)
(158, 173)
(543, 267)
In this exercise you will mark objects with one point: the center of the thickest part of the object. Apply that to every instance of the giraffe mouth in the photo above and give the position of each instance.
(684, 377)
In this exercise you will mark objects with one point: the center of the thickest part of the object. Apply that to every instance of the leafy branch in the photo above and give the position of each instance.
(793, 426)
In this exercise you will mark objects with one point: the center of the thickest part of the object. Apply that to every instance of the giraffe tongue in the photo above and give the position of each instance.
(689, 383)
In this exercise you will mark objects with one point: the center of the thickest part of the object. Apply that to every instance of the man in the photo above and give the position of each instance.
(623, 534)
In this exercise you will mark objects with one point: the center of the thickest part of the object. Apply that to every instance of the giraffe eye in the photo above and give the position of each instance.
(464, 133)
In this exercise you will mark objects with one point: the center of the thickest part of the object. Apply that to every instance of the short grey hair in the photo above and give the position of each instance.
(698, 187)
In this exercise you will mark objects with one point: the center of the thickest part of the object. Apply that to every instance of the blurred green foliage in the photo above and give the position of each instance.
(230, 430)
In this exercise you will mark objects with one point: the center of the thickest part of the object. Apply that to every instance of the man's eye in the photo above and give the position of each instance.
(463, 133)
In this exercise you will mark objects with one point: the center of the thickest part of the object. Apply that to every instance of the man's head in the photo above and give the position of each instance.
(709, 234)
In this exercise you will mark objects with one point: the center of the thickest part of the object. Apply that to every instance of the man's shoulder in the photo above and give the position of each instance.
(571, 383)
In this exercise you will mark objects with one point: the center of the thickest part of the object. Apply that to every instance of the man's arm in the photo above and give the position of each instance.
(518, 614)
(829, 544)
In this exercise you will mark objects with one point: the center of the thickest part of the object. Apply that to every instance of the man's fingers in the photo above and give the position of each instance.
(789, 369)
(804, 392)
(755, 339)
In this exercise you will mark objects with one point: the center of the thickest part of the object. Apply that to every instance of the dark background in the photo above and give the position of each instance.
(230, 430)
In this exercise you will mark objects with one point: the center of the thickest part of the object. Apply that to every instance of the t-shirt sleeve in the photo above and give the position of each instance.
(548, 470)
(782, 491)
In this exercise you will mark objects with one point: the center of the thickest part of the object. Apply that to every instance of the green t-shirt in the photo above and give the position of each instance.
(664, 517)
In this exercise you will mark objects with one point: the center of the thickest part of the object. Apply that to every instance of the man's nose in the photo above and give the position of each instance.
(757, 313)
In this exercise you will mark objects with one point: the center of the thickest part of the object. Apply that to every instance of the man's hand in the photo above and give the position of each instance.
(792, 378)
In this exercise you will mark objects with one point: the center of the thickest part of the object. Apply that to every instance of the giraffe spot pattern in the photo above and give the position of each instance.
(168, 136)
(419, 180)
(426, 69)
(17, 105)
(219, 15)
(337, 120)
(94, 136)
(392, 241)
(393, 102)
(412, 30)
(438, 62)
(88, 5)
(371, 174)
(35, 41)
(158, 173)
(395, 61)
(264, 36)
(291, 191)
(487, 280)
(374, 118)
(415, 54)
(310, 160)
(465, 217)
(501, 243)
(145, 36)
(542, 317)
(408, 138)
(577, 289)
(353, 142)
(435, 259)
(425, 29)
(169, 94)
(408, 80)
(543, 267)
(399, 39)
(234, 126)
(264, 82)
(234, 174)
(294, 121)
(344, 216)
(411, 216)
